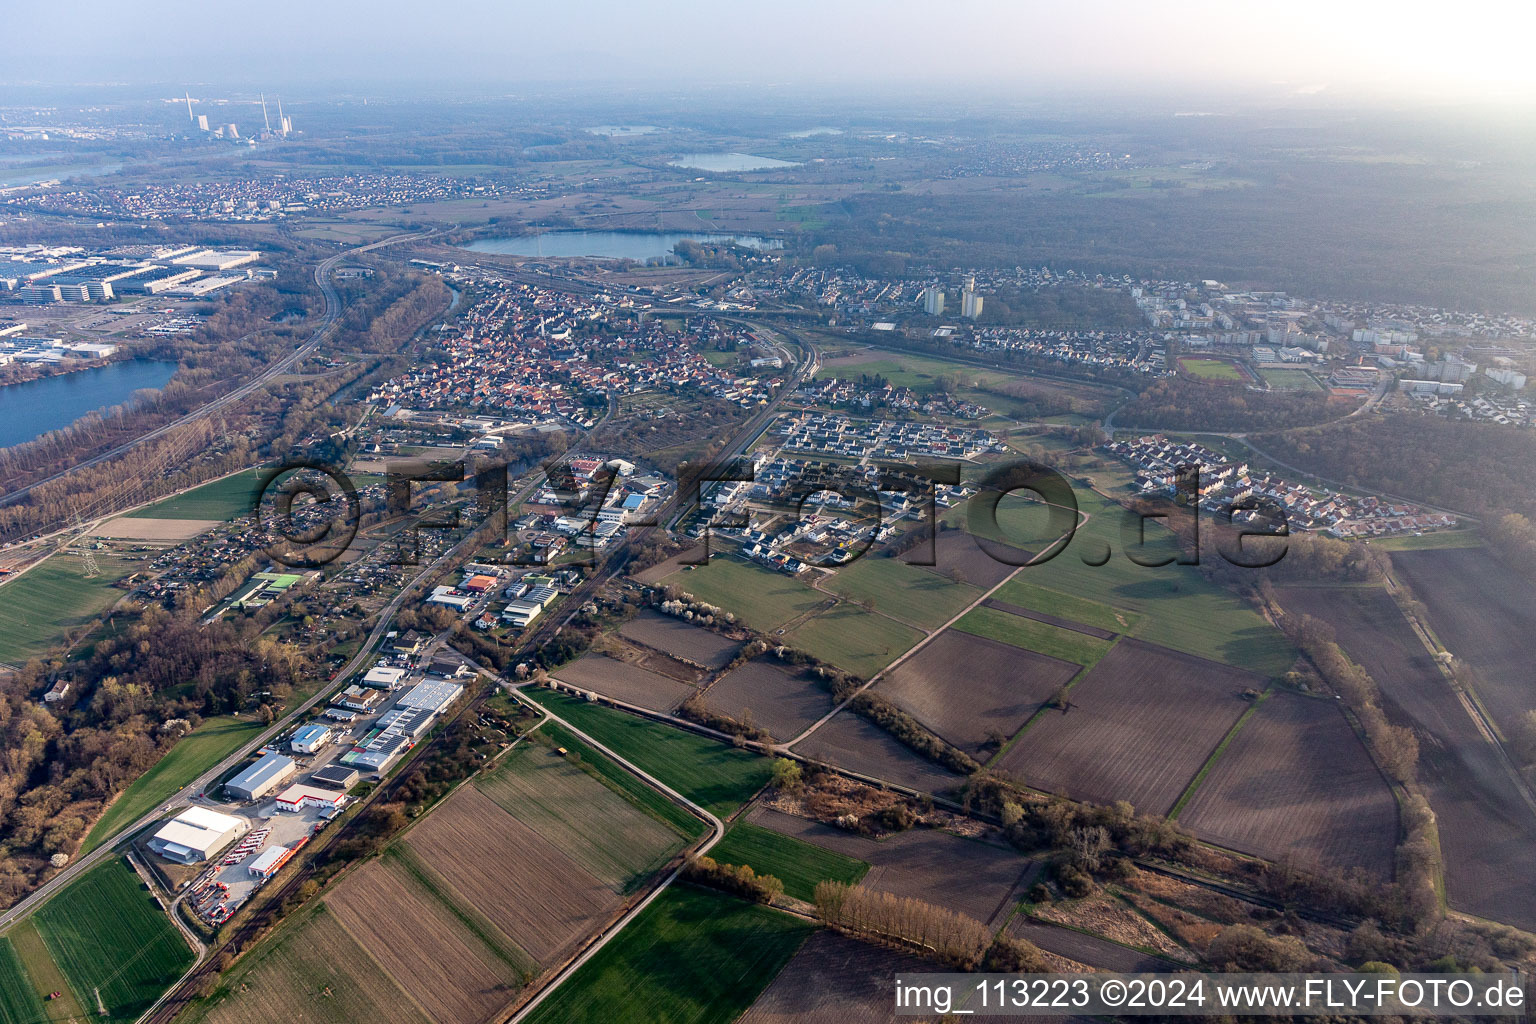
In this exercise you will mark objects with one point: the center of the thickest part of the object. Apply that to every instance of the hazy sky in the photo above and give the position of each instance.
(1467, 49)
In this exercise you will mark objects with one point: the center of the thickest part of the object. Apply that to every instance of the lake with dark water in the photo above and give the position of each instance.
(34, 407)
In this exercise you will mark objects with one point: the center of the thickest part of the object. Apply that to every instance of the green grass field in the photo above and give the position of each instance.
(229, 498)
(853, 639)
(1209, 369)
(113, 942)
(799, 865)
(209, 744)
(1289, 380)
(694, 956)
(40, 605)
(19, 1001)
(1178, 607)
(1021, 592)
(761, 598)
(911, 594)
(1430, 541)
(1040, 637)
(713, 775)
(638, 793)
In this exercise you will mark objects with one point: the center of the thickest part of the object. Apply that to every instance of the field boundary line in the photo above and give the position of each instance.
(1210, 762)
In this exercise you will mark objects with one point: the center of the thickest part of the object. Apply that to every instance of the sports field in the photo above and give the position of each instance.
(112, 941)
(1289, 380)
(713, 775)
(198, 751)
(761, 598)
(229, 498)
(694, 956)
(41, 604)
(799, 865)
(1211, 369)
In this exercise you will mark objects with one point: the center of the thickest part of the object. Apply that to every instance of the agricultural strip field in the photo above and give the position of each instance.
(1486, 829)
(957, 550)
(836, 980)
(112, 941)
(1296, 782)
(853, 639)
(1049, 620)
(1000, 624)
(1090, 950)
(624, 681)
(761, 598)
(595, 825)
(715, 776)
(40, 605)
(1140, 726)
(1000, 687)
(780, 698)
(799, 865)
(1020, 592)
(42, 974)
(198, 751)
(540, 899)
(427, 949)
(968, 876)
(1178, 607)
(672, 636)
(168, 530)
(312, 970)
(853, 742)
(229, 498)
(694, 956)
(905, 592)
(638, 793)
(19, 1002)
(1484, 612)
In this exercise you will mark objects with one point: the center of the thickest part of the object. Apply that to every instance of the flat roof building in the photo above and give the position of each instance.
(196, 834)
(310, 738)
(296, 798)
(335, 776)
(261, 778)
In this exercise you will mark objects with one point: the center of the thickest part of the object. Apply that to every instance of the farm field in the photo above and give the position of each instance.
(1001, 687)
(1486, 829)
(112, 941)
(1001, 625)
(1178, 607)
(19, 1001)
(1484, 612)
(835, 979)
(40, 605)
(799, 865)
(541, 899)
(673, 636)
(451, 970)
(968, 876)
(1049, 619)
(597, 826)
(853, 639)
(851, 741)
(694, 956)
(638, 793)
(761, 598)
(713, 775)
(41, 973)
(229, 498)
(957, 550)
(198, 751)
(1296, 782)
(311, 970)
(623, 681)
(1088, 949)
(1140, 726)
(1021, 592)
(902, 591)
(1469, 538)
(780, 698)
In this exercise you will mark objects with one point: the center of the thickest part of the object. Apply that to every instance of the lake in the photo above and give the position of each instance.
(725, 162)
(613, 245)
(34, 407)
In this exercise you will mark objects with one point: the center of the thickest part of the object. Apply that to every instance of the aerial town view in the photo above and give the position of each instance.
(694, 514)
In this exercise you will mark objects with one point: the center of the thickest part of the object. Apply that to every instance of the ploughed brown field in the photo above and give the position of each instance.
(679, 639)
(836, 980)
(782, 699)
(533, 893)
(956, 549)
(1485, 614)
(441, 964)
(1140, 726)
(963, 687)
(969, 876)
(1296, 781)
(626, 682)
(1487, 830)
(857, 744)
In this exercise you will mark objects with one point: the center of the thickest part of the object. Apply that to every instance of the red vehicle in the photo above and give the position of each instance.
(55, 995)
